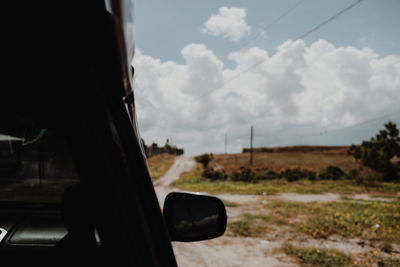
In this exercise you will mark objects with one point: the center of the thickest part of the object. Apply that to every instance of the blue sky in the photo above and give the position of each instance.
(336, 86)
(163, 28)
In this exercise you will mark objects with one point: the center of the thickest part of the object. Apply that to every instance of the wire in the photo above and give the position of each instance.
(304, 35)
(232, 79)
(284, 14)
(281, 139)
(366, 122)
(301, 36)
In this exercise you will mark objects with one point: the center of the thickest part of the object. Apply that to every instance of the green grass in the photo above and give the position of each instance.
(384, 196)
(365, 219)
(250, 225)
(193, 181)
(372, 220)
(318, 256)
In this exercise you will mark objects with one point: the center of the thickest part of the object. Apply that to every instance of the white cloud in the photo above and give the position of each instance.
(298, 91)
(229, 22)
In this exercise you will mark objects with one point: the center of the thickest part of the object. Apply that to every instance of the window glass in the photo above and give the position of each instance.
(35, 166)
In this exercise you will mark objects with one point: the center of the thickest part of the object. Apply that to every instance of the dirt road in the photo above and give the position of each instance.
(223, 251)
(230, 250)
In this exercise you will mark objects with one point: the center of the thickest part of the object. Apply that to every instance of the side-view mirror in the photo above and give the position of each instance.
(194, 217)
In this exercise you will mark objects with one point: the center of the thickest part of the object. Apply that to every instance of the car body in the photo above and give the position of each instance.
(76, 91)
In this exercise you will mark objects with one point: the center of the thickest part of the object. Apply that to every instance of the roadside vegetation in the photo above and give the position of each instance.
(319, 256)
(374, 221)
(160, 164)
(371, 167)
(195, 181)
(250, 225)
(307, 230)
(378, 152)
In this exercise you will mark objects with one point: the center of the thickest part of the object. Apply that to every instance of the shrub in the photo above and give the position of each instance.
(204, 159)
(215, 175)
(180, 151)
(272, 175)
(370, 180)
(330, 173)
(352, 174)
(245, 174)
(378, 152)
(297, 174)
(268, 175)
(318, 256)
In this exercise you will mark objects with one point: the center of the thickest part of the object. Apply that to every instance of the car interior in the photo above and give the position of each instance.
(74, 183)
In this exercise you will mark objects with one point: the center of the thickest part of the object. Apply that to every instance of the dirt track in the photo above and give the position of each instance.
(223, 251)
(249, 251)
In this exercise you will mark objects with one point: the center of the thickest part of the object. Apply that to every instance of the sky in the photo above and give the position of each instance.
(206, 69)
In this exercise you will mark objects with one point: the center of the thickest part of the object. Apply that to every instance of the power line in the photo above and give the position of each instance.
(366, 122)
(232, 79)
(304, 35)
(301, 36)
(284, 14)
(325, 132)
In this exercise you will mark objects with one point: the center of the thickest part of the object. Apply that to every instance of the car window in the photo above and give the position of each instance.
(35, 166)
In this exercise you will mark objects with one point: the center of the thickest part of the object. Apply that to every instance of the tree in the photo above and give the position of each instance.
(204, 159)
(378, 152)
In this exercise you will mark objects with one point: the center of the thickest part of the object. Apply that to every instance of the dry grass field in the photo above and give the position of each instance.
(290, 157)
(283, 159)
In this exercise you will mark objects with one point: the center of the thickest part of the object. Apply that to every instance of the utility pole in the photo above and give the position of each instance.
(251, 145)
(226, 143)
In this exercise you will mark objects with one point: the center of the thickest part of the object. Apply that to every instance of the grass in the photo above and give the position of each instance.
(160, 164)
(230, 204)
(388, 262)
(383, 196)
(369, 220)
(193, 181)
(318, 256)
(312, 161)
(372, 220)
(250, 225)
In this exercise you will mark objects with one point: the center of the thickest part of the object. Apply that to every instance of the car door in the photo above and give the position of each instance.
(80, 85)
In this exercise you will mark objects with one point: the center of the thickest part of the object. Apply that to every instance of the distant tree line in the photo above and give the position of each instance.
(154, 149)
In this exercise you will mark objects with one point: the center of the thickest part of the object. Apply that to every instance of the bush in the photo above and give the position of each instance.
(318, 256)
(245, 174)
(369, 180)
(268, 175)
(352, 174)
(378, 152)
(212, 174)
(204, 159)
(297, 174)
(330, 173)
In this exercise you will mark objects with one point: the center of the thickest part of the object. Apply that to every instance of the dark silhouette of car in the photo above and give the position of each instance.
(74, 182)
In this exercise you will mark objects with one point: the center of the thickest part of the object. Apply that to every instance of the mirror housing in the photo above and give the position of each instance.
(194, 217)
